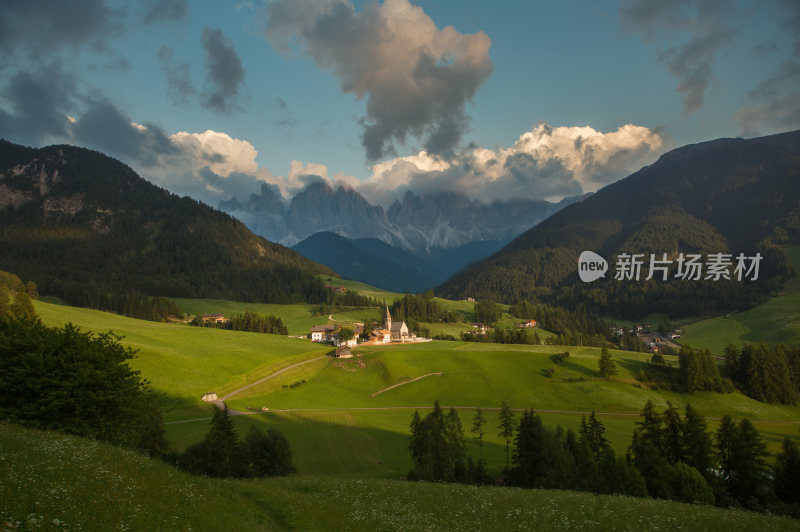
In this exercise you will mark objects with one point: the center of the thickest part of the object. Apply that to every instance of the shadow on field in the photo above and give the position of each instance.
(572, 366)
(632, 366)
(343, 443)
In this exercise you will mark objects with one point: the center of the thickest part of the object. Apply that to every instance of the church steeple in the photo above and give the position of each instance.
(387, 320)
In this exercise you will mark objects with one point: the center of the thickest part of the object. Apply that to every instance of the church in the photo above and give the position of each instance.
(393, 331)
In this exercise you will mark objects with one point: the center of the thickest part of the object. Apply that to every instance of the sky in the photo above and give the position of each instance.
(503, 100)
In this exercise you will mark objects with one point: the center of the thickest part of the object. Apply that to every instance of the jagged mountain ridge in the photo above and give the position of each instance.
(416, 224)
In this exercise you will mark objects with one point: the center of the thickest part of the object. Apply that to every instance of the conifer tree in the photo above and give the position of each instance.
(787, 472)
(506, 427)
(696, 443)
(606, 364)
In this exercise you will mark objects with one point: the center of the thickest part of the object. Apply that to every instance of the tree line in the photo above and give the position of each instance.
(247, 321)
(670, 456)
(414, 308)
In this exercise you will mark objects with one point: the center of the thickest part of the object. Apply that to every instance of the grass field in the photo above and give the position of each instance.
(185, 362)
(53, 481)
(338, 426)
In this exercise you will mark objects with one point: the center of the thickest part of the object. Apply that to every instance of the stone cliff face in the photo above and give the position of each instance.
(417, 223)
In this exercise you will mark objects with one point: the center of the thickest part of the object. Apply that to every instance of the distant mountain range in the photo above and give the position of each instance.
(417, 224)
(83, 226)
(721, 196)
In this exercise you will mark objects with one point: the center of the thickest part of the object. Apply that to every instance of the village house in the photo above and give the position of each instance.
(528, 323)
(322, 333)
(340, 289)
(215, 318)
(381, 335)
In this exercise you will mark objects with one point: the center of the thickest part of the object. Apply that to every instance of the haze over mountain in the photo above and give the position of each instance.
(83, 226)
(722, 196)
(373, 261)
(418, 223)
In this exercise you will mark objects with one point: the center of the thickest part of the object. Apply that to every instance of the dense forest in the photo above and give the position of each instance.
(725, 196)
(670, 457)
(84, 227)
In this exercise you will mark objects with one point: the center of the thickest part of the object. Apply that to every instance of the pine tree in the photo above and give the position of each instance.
(671, 435)
(477, 428)
(607, 365)
(506, 427)
(592, 432)
(696, 443)
(787, 472)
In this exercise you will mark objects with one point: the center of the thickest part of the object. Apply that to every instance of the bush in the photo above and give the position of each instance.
(74, 381)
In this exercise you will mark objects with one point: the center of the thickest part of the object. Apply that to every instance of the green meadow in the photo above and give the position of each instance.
(338, 423)
(122, 490)
(776, 321)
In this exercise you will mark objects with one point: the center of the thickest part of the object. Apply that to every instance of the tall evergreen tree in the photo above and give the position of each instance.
(506, 428)
(606, 364)
(672, 434)
(743, 457)
(787, 472)
(477, 428)
(696, 442)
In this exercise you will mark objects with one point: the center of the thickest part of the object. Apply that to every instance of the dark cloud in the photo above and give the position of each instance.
(179, 81)
(40, 27)
(417, 78)
(775, 103)
(38, 102)
(224, 72)
(104, 127)
(691, 60)
(165, 11)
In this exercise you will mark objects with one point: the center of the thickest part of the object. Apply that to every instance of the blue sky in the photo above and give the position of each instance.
(521, 98)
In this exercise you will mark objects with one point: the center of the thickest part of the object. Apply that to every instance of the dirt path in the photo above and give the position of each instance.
(484, 408)
(221, 401)
(406, 382)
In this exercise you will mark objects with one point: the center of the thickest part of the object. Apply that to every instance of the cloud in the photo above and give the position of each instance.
(544, 163)
(776, 99)
(104, 127)
(689, 34)
(38, 102)
(39, 27)
(179, 81)
(224, 72)
(416, 78)
(165, 11)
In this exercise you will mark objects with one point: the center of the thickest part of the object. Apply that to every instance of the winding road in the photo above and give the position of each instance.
(221, 401)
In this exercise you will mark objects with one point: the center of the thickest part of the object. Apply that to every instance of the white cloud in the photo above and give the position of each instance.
(545, 162)
(218, 151)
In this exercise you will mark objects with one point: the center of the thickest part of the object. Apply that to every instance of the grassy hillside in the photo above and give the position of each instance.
(123, 490)
(335, 423)
(185, 362)
(776, 321)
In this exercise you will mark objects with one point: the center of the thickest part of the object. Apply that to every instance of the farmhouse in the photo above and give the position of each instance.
(528, 323)
(215, 318)
(322, 333)
(381, 335)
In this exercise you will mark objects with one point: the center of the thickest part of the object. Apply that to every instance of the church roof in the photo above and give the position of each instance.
(397, 325)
